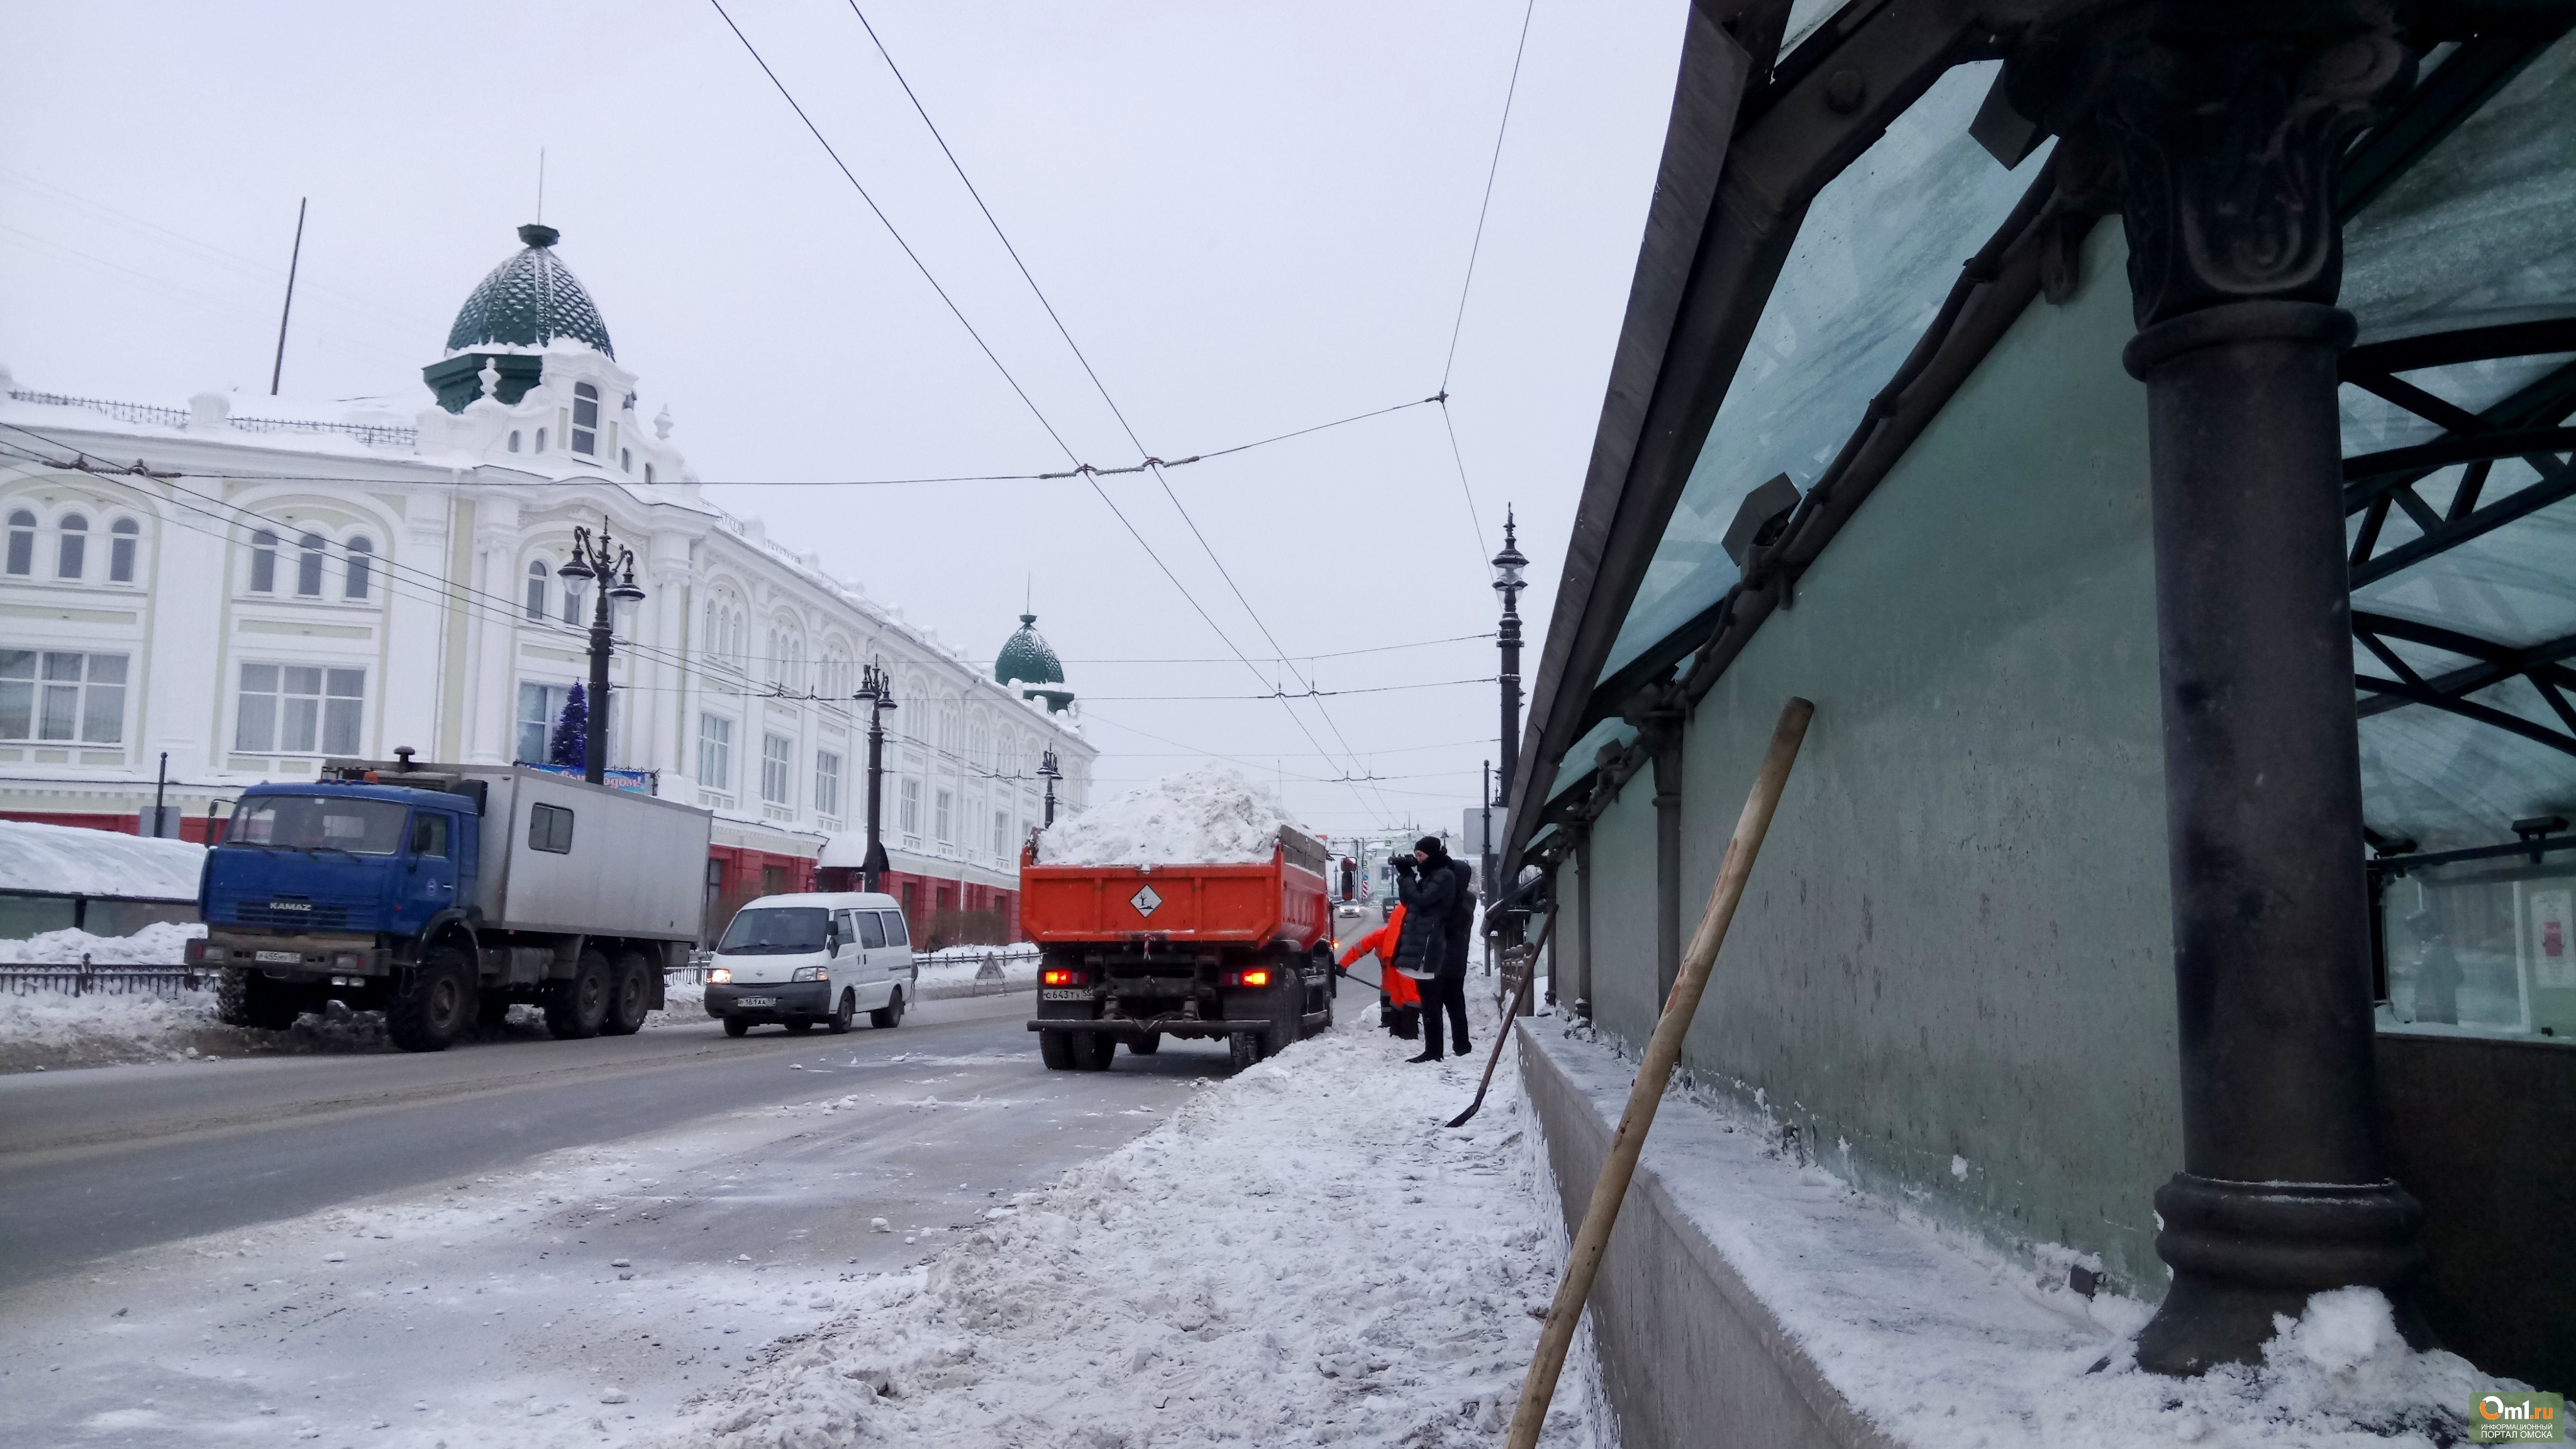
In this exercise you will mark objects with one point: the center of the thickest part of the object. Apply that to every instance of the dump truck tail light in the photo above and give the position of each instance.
(1061, 976)
(1253, 978)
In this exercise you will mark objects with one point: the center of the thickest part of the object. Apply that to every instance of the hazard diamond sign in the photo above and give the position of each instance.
(1145, 900)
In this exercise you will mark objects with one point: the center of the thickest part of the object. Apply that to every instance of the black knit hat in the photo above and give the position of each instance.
(1430, 845)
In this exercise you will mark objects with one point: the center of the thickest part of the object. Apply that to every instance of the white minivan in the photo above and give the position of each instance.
(802, 959)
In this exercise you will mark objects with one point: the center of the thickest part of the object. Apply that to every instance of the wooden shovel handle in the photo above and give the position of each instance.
(1654, 1071)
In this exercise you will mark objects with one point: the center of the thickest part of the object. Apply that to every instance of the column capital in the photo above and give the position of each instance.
(2220, 127)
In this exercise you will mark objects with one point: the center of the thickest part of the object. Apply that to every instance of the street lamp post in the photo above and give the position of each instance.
(1507, 582)
(1050, 771)
(876, 691)
(612, 566)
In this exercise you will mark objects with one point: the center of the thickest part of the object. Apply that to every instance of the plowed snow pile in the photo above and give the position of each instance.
(1301, 1256)
(1211, 815)
(66, 860)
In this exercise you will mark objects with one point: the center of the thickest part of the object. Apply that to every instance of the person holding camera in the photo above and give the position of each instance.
(1430, 885)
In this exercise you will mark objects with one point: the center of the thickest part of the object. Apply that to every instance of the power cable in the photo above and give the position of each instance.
(1467, 287)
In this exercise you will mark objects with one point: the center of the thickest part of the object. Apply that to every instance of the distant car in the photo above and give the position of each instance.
(1351, 910)
(802, 959)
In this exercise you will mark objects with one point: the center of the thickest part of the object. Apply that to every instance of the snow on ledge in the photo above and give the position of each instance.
(1939, 1343)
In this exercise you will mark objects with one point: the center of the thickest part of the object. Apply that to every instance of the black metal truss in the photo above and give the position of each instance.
(2539, 664)
(2526, 425)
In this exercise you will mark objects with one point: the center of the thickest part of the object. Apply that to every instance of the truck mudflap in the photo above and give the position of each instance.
(1175, 1025)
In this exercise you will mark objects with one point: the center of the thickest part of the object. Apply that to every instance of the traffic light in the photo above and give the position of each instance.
(1350, 877)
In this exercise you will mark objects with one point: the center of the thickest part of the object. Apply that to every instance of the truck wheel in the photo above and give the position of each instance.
(1146, 1045)
(1244, 1047)
(841, 1014)
(1287, 1018)
(890, 1015)
(246, 998)
(1093, 1051)
(430, 1010)
(1055, 1048)
(736, 1026)
(576, 1008)
(630, 996)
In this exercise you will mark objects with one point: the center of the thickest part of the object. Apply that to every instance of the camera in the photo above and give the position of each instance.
(1401, 863)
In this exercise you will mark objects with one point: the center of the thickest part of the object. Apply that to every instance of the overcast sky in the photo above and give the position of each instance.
(1252, 219)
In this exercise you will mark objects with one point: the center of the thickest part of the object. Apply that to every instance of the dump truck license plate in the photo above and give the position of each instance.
(755, 1001)
(1065, 993)
(282, 958)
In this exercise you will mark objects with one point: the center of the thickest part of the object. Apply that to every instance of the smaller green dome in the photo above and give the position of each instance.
(1027, 658)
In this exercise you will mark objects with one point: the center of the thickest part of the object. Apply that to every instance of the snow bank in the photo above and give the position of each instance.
(1210, 815)
(163, 943)
(68, 861)
(1301, 1256)
(1944, 1344)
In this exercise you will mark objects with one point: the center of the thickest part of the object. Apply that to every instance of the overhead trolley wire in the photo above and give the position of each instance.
(1467, 287)
(1153, 464)
(1026, 401)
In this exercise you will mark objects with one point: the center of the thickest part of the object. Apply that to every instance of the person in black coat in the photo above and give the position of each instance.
(1434, 889)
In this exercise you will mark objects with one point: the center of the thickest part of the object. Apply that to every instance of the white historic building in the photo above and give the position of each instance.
(251, 595)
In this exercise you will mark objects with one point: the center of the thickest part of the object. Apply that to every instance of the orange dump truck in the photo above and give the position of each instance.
(1135, 953)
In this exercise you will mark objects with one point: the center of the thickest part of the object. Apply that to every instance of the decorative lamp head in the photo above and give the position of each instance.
(1509, 563)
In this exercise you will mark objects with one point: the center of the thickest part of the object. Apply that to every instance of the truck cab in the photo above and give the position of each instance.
(325, 891)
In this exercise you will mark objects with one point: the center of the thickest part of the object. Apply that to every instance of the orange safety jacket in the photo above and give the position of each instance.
(1398, 987)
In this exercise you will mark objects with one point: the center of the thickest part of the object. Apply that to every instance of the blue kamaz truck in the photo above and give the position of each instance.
(440, 894)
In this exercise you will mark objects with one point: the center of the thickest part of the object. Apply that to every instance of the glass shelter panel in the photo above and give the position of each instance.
(1877, 251)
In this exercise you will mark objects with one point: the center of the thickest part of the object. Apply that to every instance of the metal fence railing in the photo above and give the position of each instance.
(27, 979)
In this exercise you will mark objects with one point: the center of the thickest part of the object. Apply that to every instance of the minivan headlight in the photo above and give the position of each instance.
(812, 973)
(720, 976)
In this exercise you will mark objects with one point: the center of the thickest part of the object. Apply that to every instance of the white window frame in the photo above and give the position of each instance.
(35, 683)
(943, 816)
(908, 808)
(552, 698)
(777, 769)
(827, 784)
(715, 752)
(327, 720)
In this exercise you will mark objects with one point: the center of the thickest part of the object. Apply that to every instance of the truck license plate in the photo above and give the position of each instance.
(1065, 993)
(755, 1001)
(282, 958)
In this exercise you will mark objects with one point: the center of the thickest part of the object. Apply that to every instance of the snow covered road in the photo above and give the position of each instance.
(1299, 1256)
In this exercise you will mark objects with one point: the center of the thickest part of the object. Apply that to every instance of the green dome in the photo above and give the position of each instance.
(1027, 658)
(528, 301)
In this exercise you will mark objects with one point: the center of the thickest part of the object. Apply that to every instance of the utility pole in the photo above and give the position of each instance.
(876, 691)
(293, 260)
(612, 566)
(1507, 581)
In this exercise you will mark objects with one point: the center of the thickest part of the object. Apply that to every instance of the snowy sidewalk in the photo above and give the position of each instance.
(1302, 1255)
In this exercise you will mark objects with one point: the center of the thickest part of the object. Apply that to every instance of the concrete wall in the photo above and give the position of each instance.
(1952, 968)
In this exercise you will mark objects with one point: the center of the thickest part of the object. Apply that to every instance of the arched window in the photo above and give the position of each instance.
(362, 568)
(514, 440)
(74, 550)
(22, 541)
(648, 472)
(123, 534)
(541, 440)
(537, 574)
(263, 562)
(572, 600)
(585, 418)
(626, 460)
(979, 751)
(308, 566)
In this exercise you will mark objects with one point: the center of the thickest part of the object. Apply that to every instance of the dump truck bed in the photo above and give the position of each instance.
(1280, 900)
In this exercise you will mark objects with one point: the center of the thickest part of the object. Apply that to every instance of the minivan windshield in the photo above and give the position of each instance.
(318, 822)
(775, 931)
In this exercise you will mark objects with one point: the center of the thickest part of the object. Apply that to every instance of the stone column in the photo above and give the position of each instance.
(2219, 128)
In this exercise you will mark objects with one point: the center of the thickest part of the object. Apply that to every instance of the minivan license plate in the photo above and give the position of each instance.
(282, 958)
(1065, 993)
(755, 1001)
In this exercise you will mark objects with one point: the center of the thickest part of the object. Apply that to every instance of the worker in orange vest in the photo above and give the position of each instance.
(1399, 1002)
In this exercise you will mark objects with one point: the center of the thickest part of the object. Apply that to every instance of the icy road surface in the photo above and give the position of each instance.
(357, 1220)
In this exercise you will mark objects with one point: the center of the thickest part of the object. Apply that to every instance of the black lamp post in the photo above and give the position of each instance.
(1050, 771)
(1507, 582)
(876, 691)
(611, 565)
